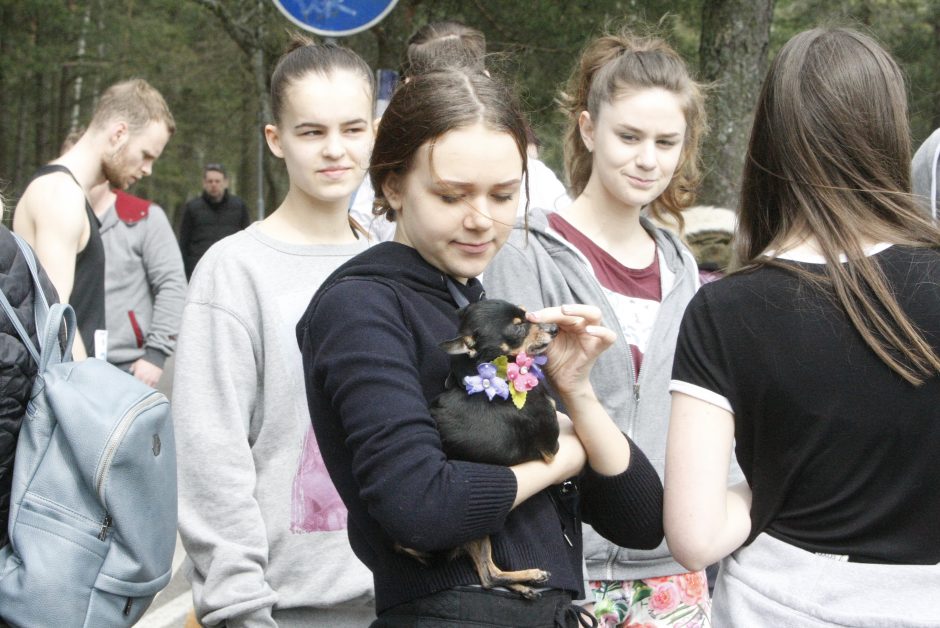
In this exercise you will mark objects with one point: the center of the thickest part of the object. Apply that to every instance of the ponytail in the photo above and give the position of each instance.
(574, 100)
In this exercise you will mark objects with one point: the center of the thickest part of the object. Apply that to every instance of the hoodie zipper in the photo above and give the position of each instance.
(678, 278)
(681, 276)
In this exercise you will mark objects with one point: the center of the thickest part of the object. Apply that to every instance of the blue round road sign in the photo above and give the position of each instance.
(335, 18)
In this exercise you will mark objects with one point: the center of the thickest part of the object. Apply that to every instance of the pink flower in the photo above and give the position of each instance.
(692, 587)
(658, 580)
(523, 373)
(664, 598)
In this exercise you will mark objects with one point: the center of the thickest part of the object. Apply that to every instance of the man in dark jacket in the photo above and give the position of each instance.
(210, 217)
(17, 367)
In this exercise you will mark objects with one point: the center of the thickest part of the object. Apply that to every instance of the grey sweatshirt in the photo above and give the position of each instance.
(925, 170)
(144, 286)
(264, 528)
(546, 271)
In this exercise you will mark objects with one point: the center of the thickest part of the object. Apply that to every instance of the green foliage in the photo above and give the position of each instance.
(202, 55)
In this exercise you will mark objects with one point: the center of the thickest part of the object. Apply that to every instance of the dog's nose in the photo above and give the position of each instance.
(549, 328)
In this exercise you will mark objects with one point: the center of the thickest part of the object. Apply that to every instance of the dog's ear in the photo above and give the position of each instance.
(459, 346)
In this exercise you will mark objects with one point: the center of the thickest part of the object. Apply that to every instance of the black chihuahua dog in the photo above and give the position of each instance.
(496, 409)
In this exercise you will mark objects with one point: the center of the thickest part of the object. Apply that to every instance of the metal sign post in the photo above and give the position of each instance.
(335, 18)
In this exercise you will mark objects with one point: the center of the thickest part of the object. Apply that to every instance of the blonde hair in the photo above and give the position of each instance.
(621, 63)
(134, 101)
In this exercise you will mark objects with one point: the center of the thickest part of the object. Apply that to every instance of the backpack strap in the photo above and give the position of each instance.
(49, 337)
(40, 305)
(48, 320)
(11, 314)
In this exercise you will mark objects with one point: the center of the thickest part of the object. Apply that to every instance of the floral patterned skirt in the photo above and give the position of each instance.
(681, 600)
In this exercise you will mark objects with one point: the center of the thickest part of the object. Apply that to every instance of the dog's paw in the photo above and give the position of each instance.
(422, 557)
(527, 592)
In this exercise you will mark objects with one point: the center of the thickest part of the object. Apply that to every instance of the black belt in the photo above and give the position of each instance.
(483, 607)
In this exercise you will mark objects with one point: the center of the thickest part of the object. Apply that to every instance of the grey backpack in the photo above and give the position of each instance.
(93, 505)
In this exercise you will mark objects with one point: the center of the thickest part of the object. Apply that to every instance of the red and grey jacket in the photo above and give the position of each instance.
(145, 286)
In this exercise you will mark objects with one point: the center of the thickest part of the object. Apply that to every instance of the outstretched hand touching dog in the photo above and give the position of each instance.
(581, 339)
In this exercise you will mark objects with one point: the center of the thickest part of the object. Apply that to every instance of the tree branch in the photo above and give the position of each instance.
(243, 36)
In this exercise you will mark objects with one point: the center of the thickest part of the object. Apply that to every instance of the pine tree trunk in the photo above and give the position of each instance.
(75, 116)
(732, 54)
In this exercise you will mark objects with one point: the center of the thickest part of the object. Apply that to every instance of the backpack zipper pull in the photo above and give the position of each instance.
(105, 526)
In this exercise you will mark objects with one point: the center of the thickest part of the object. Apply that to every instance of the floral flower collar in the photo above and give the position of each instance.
(524, 373)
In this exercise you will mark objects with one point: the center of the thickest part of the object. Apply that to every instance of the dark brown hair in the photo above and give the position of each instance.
(429, 106)
(442, 45)
(619, 64)
(302, 57)
(829, 158)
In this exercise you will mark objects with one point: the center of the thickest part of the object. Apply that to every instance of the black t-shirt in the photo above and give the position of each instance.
(842, 454)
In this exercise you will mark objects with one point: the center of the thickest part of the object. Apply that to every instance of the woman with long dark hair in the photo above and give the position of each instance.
(817, 362)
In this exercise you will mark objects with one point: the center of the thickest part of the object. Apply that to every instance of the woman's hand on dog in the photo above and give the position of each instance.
(537, 475)
(581, 339)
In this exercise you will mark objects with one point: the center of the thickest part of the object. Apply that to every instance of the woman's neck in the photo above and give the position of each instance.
(300, 220)
(611, 225)
(807, 247)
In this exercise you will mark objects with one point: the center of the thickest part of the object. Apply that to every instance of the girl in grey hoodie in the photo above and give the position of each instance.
(636, 117)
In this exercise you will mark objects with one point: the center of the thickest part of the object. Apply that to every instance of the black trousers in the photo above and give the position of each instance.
(463, 607)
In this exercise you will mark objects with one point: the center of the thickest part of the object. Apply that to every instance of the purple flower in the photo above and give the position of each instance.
(487, 382)
(538, 362)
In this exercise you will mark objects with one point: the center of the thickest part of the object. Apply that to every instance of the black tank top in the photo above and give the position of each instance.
(87, 296)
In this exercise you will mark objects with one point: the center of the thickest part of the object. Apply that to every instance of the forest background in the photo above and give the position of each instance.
(212, 60)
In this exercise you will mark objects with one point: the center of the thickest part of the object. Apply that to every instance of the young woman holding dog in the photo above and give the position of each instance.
(818, 362)
(636, 117)
(262, 525)
(449, 159)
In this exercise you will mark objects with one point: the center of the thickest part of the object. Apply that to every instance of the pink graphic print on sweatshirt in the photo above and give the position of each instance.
(315, 504)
